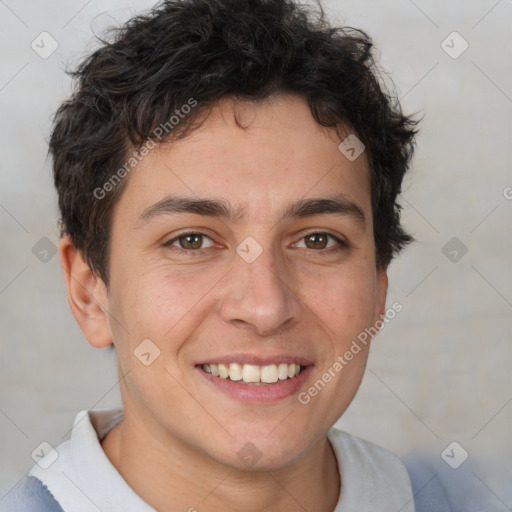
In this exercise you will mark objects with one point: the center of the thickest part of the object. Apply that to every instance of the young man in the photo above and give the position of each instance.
(227, 175)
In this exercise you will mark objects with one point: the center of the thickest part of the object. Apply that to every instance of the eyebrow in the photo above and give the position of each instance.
(337, 204)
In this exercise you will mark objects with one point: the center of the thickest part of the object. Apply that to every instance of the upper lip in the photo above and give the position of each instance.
(257, 359)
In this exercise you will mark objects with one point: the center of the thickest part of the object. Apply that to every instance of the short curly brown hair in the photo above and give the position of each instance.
(208, 49)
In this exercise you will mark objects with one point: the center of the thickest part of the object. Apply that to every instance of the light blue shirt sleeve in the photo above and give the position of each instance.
(30, 495)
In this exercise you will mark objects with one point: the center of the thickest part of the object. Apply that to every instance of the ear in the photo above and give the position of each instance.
(382, 290)
(87, 295)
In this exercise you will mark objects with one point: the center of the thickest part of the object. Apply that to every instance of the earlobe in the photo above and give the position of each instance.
(382, 289)
(86, 295)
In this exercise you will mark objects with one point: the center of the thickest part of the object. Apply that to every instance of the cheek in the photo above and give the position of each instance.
(164, 305)
(345, 301)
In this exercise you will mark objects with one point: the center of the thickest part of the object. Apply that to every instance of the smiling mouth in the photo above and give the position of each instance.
(253, 374)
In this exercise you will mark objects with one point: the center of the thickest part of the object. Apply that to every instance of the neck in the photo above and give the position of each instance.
(171, 476)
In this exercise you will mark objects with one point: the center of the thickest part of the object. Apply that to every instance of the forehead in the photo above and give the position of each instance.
(280, 154)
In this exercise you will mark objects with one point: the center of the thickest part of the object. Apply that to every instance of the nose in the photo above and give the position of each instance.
(260, 296)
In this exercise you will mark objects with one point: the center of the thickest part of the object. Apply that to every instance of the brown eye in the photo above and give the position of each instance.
(190, 241)
(322, 242)
(316, 241)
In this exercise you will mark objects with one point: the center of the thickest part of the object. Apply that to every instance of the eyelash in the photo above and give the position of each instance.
(342, 245)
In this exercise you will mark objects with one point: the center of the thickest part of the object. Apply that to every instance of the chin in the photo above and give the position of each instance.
(264, 452)
(250, 458)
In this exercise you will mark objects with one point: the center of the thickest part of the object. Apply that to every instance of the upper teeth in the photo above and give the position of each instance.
(253, 373)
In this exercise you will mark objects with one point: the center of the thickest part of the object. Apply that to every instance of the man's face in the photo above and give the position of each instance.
(259, 287)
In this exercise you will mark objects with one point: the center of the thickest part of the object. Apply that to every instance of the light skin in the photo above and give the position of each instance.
(306, 295)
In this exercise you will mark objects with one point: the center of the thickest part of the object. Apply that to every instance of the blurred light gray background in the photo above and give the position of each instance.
(439, 372)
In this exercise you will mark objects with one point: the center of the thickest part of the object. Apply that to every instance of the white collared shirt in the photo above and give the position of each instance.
(82, 478)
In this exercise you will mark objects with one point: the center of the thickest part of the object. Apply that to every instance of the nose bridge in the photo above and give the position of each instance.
(259, 295)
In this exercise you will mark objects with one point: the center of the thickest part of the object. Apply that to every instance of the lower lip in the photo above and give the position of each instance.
(261, 393)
